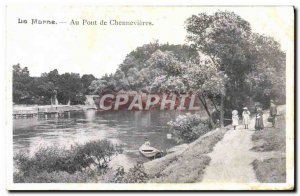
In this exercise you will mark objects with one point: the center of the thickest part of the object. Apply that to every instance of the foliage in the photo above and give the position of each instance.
(38, 90)
(223, 36)
(86, 80)
(267, 80)
(136, 174)
(165, 61)
(189, 127)
(50, 159)
(119, 176)
(226, 65)
(56, 177)
(142, 66)
(72, 91)
(22, 92)
(53, 160)
(99, 152)
(249, 62)
(171, 84)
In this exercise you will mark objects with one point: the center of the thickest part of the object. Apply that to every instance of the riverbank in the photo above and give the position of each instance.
(186, 165)
(228, 156)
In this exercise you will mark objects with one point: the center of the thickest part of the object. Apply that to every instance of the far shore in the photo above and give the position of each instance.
(33, 107)
(21, 111)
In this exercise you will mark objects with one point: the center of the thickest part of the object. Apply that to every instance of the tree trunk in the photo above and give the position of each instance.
(203, 101)
(222, 111)
(214, 103)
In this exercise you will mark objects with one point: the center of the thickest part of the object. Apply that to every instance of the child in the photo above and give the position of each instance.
(235, 119)
(246, 117)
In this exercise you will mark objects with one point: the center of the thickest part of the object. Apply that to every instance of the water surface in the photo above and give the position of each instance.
(126, 128)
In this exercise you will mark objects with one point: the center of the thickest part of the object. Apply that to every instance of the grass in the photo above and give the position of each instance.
(188, 165)
(271, 139)
(271, 169)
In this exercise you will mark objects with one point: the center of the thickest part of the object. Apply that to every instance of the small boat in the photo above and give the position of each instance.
(149, 151)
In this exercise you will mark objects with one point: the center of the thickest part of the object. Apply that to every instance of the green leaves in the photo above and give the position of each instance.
(189, 127)
(223, 36)
(38, 90)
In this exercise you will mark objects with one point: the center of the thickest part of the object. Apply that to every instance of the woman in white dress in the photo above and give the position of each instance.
(246, 117)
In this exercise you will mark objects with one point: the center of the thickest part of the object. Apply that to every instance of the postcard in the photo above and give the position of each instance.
(150, 97)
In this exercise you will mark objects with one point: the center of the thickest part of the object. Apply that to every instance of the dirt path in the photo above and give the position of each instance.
(231, 158)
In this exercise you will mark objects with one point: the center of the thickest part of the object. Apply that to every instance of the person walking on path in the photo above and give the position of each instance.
(259, 124)
(246, 117)
(273, 112)
(235, 119)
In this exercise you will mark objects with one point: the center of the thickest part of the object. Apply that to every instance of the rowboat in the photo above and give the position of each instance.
(149, 151)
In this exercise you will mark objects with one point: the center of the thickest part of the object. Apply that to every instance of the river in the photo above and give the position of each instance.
(126, 128)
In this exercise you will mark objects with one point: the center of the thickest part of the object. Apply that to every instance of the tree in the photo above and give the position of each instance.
(98, 86)
(70, 88)
(133, 78)
(100, 152)
(141, 66)
(86, 79)
(138, 57)
(22, 91)
(39, 90)
(166, 72)
(166, 62)
(224, 38)
(45, 90)
(169, 84)
(174, 76)
(52, 76)
(267, 80)
(207, 82)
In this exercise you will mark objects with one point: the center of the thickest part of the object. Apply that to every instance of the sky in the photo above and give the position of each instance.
(101, 49)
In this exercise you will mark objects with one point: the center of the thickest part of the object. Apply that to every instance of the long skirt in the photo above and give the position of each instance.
(259, 124)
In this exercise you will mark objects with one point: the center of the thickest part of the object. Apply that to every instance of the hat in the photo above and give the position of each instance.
(245, 108)
(235, 112)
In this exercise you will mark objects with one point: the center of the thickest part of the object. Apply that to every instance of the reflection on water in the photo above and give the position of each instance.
(127, 128)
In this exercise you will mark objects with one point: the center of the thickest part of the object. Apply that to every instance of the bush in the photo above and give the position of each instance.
(119, 176)
(51, 159)
(136, 174)
(99, 152)
(189, 127)
(56, 161)
(56, 177)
